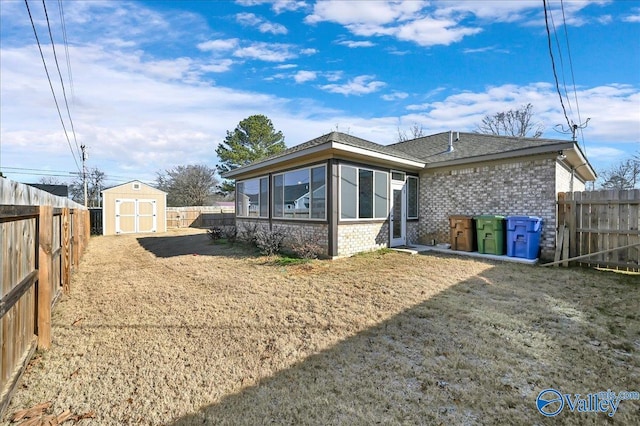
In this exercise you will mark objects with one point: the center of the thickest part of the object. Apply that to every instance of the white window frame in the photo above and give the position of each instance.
(259, 178)
(358, 219)
(273, 194)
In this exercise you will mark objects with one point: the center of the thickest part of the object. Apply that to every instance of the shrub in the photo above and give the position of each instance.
(269, 242)
(230, 233)
(305, 248)
(215, 233)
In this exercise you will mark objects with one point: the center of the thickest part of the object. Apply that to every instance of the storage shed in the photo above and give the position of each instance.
(133, 208)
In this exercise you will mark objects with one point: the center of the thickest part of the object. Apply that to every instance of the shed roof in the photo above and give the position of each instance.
(124, 185)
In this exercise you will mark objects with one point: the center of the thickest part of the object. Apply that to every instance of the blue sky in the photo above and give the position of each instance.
(156, 84)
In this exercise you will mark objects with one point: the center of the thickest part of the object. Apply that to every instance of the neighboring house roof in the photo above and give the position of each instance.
(294, 192)
(433, 151)
(59, 190)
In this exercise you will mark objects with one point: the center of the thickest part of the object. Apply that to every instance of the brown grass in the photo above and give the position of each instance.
(172, 329)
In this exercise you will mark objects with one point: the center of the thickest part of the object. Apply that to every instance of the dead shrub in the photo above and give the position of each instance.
(305, 247)
(269, 242)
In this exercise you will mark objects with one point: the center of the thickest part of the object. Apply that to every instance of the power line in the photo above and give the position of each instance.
(553, 64)
(50, 83)
(564, 81)
(64, 92)
(573, 79)
(65, 41)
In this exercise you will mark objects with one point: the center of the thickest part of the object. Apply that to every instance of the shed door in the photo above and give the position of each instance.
(134, 216)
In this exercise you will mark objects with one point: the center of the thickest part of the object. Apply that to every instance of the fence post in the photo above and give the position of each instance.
(66, 259)
(45, 242)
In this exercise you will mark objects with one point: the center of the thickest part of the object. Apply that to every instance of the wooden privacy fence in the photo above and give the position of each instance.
(42, 238)
(605, 223)
(200, 217)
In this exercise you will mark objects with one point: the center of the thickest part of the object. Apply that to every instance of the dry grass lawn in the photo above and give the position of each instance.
(171, 329)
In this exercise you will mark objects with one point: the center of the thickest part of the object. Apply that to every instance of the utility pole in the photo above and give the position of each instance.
(84, 173)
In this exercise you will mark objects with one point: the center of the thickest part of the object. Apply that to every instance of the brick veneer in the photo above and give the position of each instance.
(524, 187)
(358, 237)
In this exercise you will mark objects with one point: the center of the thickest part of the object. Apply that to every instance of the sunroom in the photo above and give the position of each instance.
(343, 193)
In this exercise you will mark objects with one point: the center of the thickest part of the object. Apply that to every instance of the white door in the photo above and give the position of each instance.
(134, 216)
(398, 217)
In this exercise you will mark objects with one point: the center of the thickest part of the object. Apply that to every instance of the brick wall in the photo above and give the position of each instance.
(413, 232)
(358, 237)
(317, 233)
(524, 187)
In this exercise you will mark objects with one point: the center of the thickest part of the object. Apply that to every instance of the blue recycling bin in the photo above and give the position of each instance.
(523, 236)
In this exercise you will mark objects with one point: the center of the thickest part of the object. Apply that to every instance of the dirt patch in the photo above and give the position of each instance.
(172, 329)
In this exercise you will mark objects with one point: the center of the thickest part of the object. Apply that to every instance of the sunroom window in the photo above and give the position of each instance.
(363, 193)
(252, 198)
(300, 194)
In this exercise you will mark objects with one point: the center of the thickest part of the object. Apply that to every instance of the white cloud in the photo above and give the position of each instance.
(222, 65)
(273, 28)
(361, 85)
(308, 51)
(394, 96)
(430, 32)
(269, 52)
(278, 6)
(438, 23)
(285, 66)
(304, 76)
(633, 18)
(264, 26)
(484, 49)
(352, 43)
(218, 45)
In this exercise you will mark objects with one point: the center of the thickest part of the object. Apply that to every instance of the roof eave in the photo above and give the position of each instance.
(571, 149)
(327, 146)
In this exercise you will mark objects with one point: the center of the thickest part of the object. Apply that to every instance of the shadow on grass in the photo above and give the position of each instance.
(196, 244)
(477, 353)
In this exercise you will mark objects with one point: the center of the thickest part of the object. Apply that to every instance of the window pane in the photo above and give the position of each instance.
(397, 176)
(365, 193)
(242, 204)
(252, 196)
(264, 197)
(381, 201)
(348, 194)
(412, 197)
(318, 197)
(397, 214)
(296, 194)
(278, 196)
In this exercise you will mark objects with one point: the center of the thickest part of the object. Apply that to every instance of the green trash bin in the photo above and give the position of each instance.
(490, 234)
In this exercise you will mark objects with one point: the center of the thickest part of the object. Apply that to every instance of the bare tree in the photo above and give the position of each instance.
(51, 180)
(192, 185)
(517, 123)
(415, 131)
(624, 175)
(95, 185)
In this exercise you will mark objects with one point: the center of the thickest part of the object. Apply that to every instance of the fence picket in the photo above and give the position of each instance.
(600, 221)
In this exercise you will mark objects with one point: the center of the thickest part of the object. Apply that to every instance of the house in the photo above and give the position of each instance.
(360, 195)
(133, 208)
